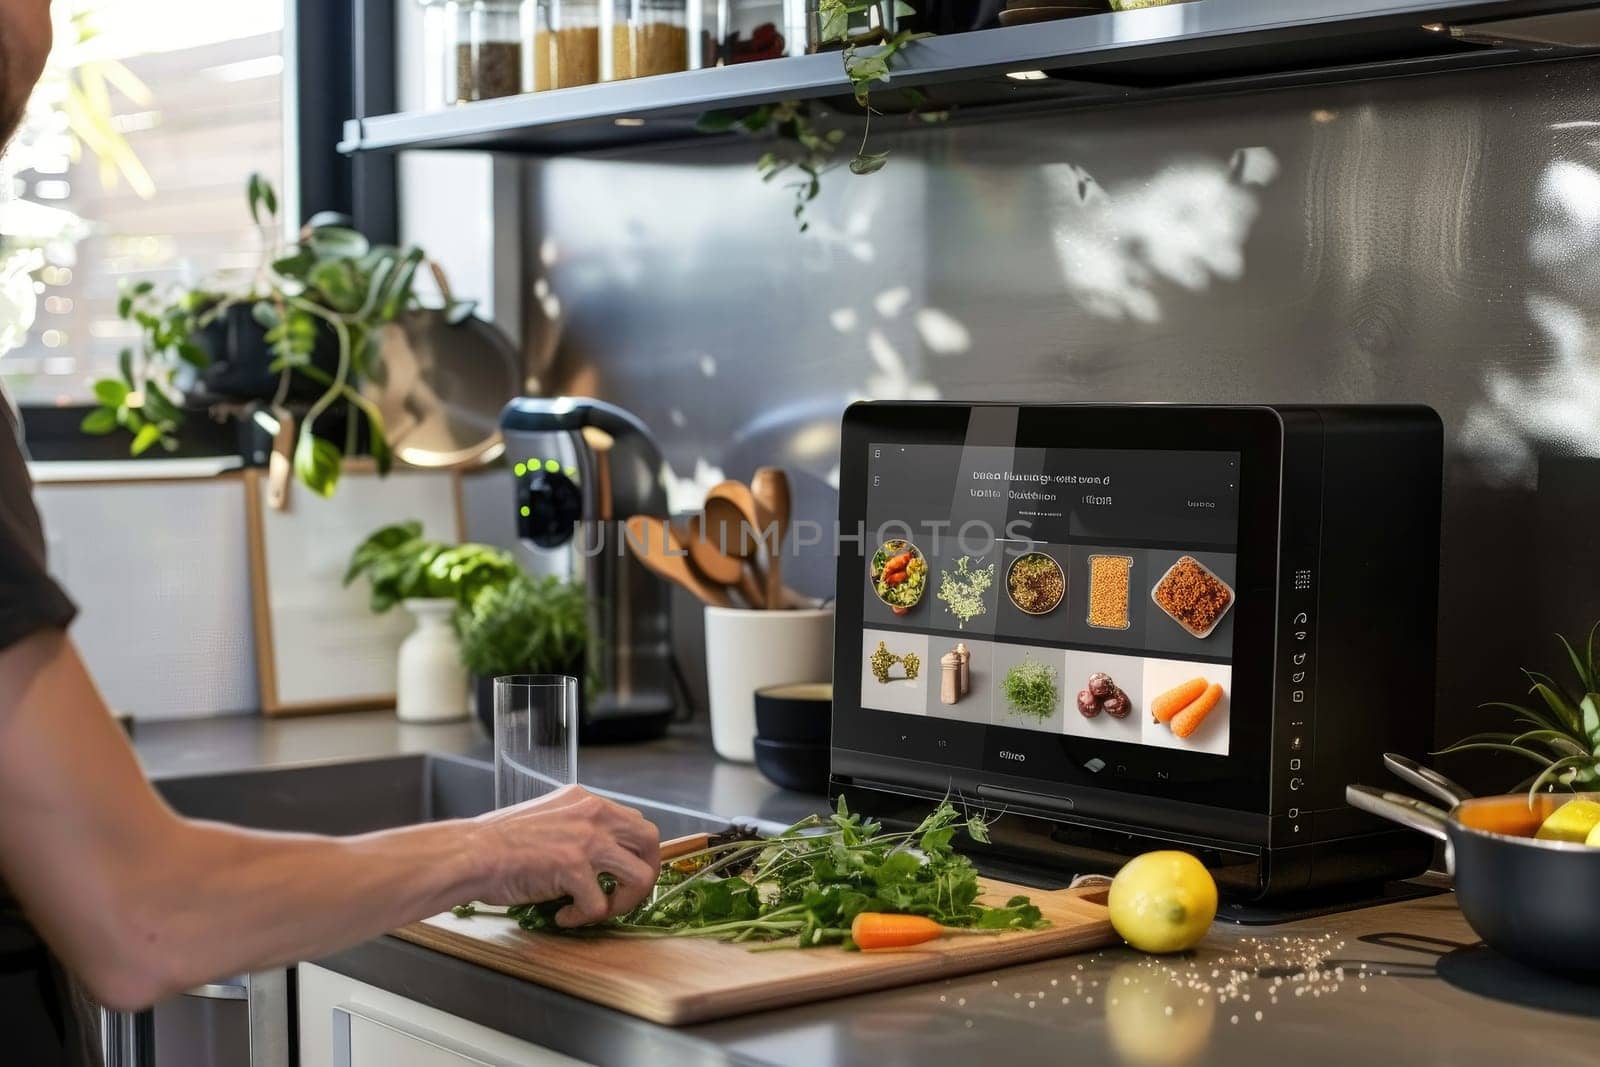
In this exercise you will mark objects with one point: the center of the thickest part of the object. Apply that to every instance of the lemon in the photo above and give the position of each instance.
(1573, 821)
(1162, 901)
(1593, 839)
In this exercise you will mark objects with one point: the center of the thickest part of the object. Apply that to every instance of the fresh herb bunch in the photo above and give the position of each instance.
(805, 146)
(1563, 735)
(402, 564)
(804, 887)
(524, 626)
(962, 590)
(331, 281)
(1030, 687)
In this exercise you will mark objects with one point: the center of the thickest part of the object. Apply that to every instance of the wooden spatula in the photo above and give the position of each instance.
(655, 545)
(770, 488)
(718, 566)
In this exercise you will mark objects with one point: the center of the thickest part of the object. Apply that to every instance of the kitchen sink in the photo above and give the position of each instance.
(361, 796)
(246, 1020)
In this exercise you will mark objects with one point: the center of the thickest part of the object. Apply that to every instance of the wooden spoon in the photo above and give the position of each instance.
(733, 519)
(654, 543)
(770, 488)
(718, 566)
(736, 524)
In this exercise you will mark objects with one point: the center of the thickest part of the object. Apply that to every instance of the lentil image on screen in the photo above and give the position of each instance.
(1108, 591)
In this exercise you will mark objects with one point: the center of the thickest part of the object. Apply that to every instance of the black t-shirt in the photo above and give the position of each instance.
(45, 1018)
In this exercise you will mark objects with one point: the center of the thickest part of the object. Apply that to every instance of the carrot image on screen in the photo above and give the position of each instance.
(1174, 700)
(1189, 719)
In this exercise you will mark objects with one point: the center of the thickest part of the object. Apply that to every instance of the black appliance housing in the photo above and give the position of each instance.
(1333, 657)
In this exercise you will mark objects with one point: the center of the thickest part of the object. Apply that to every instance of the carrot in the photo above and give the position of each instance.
(1174, 700)
(1189, 719)
(875, 929)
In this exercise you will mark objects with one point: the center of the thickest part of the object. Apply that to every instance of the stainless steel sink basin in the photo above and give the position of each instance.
(246, 1019)
(365, 795)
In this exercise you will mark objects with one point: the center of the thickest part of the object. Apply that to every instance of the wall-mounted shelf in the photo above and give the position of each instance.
(1202, 46)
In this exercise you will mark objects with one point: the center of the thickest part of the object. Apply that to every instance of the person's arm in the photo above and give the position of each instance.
(141, 903)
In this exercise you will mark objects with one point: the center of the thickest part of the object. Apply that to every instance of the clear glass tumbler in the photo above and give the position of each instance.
(535, 736)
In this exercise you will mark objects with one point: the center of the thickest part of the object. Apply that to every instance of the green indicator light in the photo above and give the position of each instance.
(572, 472)
(551, 465)
(525, 511)
(520, 469)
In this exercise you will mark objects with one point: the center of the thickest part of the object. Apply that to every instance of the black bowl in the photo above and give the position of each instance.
(794, 765)
(801, 711)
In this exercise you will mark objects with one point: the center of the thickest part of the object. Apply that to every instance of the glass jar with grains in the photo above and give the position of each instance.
(537, 44)
(571, 41)
(643, 37)
(484, 48)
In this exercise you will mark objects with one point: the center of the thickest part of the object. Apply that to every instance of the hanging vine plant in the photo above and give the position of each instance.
(808, 149)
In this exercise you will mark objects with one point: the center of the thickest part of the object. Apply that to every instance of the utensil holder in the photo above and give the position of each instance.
(749, 650)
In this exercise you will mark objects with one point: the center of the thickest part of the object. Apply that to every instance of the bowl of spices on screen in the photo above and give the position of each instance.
(1036, 583)
(899, 575)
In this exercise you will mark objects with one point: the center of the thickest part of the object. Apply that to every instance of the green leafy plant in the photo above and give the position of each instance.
(1030, 688)
(331, 282)
(524, 626)
(401, 564)
(1563, 727)
(803, 887)
(804, 146)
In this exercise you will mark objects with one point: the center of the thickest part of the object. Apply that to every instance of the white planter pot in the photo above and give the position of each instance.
(432, 684)
(749, 650)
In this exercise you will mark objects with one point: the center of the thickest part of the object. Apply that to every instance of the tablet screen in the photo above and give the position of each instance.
(1016, 592)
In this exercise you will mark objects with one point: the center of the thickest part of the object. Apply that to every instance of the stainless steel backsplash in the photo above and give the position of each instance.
(1430, 239)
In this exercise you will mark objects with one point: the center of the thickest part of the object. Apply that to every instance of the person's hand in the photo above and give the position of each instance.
(557, 846)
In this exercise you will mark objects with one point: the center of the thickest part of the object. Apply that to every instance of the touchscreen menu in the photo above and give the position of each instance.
(1078, 592)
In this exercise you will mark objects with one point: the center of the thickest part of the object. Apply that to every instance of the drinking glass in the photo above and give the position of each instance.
(535, 736)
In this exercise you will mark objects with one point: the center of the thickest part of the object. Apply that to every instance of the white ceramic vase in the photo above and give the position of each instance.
(749, 650)
(432, 683)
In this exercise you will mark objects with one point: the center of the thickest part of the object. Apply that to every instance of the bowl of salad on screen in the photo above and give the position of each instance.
(899, 575)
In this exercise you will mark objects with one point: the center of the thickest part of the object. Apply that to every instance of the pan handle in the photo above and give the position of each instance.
(1425, 778)
(1396, 807)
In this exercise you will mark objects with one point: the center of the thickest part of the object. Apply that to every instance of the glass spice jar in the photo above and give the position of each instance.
(572, 42)
(435, 61)
(643, 37)
(537, 44)
(484, 39)
(742, 31)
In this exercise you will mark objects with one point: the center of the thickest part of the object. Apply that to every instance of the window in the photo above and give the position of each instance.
(215, 113)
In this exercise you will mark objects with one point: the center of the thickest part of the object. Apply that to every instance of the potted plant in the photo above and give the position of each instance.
(432, 580)
(302, 332)
(524, 626)
(1559, 731)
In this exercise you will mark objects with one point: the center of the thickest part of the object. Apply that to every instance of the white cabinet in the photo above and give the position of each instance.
(346, 1023)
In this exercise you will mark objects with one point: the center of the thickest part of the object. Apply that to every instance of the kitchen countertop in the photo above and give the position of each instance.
(1403, 980)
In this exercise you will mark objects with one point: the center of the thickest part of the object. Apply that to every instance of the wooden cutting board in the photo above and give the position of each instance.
(689, 980)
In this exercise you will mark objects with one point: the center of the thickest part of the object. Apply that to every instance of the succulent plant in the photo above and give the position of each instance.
(1563, 727)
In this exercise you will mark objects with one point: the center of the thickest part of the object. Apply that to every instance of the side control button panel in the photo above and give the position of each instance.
(1293, 757)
